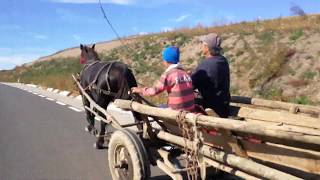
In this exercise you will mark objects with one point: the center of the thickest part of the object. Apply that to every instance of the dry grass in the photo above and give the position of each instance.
(284, 25)
(298, 83)
(271, 67)
(259, 52)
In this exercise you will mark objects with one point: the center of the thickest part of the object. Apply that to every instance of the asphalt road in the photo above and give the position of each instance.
(40, 139)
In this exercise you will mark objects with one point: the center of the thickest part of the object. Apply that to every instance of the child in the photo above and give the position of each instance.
(175, 80)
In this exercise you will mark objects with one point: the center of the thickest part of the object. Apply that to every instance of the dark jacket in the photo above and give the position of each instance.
(212, 79)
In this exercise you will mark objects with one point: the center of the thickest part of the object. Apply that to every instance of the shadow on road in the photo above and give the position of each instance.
(162, 177)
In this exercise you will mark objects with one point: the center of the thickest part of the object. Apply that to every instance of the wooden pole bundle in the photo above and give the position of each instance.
(234, 125)
(293, 108)
(279, 117)
(243, 164)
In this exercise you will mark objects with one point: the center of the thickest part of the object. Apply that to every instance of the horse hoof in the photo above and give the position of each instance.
(89, 128)
(98, 145)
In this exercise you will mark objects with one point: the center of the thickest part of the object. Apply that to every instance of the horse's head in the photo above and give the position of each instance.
(88, 54)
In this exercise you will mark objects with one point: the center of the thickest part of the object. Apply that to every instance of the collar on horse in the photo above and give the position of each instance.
(93, 84)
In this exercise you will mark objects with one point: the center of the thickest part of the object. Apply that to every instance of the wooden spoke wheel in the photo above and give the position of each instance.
(128, 158)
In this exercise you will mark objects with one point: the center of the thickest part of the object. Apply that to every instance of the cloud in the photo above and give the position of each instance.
(121, 2)
(142, 33)
(134, 28)
(9, 27)
(76, 37)
(11, 57)
(166, 29)
(72, 17)
(9, 62)
(40, 36)
(180, 18)
(5, 50)
(143, 3)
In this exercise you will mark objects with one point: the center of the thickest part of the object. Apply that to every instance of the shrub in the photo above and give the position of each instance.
(309, 75)
(292, 72)
(301, 100)
(234, 90)
(271, 68)
(190, 60)
(266, 37)
(296, 35)
(271, 94)
(239, 53)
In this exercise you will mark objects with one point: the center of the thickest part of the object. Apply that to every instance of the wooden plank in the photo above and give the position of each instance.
(277, 105)
(301, 145)
(306, 160)
(233, 143)
(280, 117)
(291, 128)
(243, 164)
(230, 170)
(221, 123)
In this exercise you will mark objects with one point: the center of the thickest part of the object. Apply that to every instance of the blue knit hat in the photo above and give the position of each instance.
(171, 54)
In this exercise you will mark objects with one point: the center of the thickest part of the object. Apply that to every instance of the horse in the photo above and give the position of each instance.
(103, 82)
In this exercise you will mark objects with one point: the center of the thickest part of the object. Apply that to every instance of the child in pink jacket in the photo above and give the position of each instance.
(175, 80)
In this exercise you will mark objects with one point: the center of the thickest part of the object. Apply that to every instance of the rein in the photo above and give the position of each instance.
(93, 85)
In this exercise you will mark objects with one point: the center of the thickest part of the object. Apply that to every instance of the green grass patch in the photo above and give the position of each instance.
(271, 67)
(266, 37)
(271, 94)
(309, 75)
(295, 35)
(301, 100)
(291, 72)
(234, 90)
(239, 53)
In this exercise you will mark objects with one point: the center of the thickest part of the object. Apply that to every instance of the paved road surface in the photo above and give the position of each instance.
(40, 139)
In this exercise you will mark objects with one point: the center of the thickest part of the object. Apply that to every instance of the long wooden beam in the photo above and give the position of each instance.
(229, 124)
(277, 105)
(279, 117)
(244, 164)
(230, 170)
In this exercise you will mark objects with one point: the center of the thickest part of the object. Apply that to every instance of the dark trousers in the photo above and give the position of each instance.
(222, 109)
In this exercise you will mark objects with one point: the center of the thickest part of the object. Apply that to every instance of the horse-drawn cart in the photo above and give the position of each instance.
(261, 140)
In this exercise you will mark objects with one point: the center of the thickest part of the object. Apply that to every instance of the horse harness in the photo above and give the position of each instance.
(93, 84)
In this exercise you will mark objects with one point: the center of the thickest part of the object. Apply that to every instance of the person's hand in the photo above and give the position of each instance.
(189, 71)
(136, 90)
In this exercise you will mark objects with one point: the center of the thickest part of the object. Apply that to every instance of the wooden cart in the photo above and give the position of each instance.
(261, 140)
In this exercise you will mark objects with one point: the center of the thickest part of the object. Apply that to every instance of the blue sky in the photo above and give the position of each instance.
(33, 28)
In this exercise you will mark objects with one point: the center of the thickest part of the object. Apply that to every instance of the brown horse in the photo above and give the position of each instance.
(104, 82)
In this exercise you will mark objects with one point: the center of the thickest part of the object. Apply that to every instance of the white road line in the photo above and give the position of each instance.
(30, 91)
(63, 104)
(75, 109)
(41, 95)
(50, 99)
(35, 93)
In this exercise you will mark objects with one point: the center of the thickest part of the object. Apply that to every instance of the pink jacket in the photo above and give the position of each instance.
(178, 85)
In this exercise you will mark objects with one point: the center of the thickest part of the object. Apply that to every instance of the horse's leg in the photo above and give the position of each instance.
(100, 140)
(103, 125)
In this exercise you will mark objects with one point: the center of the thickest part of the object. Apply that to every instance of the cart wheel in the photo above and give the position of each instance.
(128, 158)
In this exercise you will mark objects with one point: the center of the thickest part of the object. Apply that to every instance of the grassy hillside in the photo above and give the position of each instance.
(276, 59)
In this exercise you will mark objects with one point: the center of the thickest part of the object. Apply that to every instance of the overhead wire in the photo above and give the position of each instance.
(122, 41)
